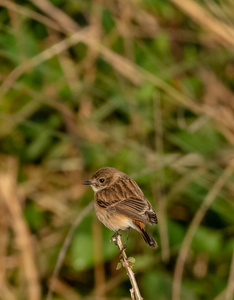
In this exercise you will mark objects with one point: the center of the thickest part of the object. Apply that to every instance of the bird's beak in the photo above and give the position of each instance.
(87, 182)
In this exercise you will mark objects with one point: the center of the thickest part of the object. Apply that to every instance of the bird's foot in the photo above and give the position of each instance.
(114, 237)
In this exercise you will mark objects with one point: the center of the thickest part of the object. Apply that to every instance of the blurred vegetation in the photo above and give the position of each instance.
(145, 87)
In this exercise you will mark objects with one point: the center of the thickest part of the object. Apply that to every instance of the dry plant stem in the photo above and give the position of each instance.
(162, 201)
(5, 288)
(62, 19)
(65, 291)
(30, 14)
(9, 194)
(221, 31)
(117, 240)
(230, 287)
(125, 67)
(228, 292)
(63, 250)
(214, 191)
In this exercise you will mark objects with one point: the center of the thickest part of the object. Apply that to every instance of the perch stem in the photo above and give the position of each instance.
(135, 290)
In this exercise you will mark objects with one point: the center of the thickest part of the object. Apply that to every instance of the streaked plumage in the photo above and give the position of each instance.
(120, 204)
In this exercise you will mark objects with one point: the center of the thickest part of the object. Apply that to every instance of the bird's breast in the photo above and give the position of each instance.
(112, 220)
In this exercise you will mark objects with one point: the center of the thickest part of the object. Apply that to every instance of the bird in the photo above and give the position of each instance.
(120, 203)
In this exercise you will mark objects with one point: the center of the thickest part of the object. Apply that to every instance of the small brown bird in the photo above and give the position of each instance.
(120, 203)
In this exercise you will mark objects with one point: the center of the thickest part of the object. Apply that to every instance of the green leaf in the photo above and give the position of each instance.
(119, 265)
(131, 261)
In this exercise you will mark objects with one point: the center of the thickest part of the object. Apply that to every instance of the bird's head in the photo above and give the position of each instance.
(103, 178)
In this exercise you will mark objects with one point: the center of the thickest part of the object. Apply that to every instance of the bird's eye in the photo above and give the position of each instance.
(102, 180)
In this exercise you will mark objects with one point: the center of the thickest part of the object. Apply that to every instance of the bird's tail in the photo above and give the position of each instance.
(147, 238)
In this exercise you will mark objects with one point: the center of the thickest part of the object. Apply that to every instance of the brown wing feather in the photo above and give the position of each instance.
(136, 209)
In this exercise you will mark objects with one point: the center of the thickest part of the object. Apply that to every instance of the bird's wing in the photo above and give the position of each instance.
(105, 204)
(136, 209)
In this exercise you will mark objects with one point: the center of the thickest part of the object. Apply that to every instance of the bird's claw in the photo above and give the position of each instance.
(114, 237)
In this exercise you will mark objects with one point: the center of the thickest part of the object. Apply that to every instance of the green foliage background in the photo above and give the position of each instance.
(146, 88)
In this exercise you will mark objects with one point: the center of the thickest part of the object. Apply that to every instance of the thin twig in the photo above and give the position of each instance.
(117, 240)
(214, 191)
(63, 250)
